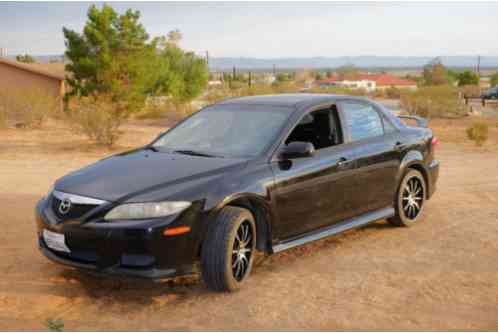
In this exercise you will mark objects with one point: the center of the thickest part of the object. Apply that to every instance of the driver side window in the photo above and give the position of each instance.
(321, 128)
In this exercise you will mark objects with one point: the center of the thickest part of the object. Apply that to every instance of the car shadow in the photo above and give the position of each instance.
(119, 289)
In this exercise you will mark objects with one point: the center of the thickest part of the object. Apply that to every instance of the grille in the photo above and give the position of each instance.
(76, 211)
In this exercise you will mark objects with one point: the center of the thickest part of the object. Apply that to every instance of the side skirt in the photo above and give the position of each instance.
(335, 229)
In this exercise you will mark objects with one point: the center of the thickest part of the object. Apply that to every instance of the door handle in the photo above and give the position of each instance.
(343, 162)
(399, 145)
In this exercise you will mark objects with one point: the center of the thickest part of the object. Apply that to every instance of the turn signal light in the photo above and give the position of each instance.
(435, 142)
(176, 231)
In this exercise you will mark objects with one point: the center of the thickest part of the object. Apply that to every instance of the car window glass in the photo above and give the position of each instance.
(388, 127)
(319, 128)
(234, 131)
(363, 121)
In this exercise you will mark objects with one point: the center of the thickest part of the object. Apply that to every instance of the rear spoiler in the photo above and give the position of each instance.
(421, 122)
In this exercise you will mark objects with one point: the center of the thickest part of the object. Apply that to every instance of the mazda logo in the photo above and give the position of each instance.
(65, 206)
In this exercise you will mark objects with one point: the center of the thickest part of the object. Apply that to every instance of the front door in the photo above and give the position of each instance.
(316, 191)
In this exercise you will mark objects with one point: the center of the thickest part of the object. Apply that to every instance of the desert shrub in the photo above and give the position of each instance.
(155, 108)
(470, 91)
(285, 87)
(393, 92)
(98, 118)
(478, 133)
(55, 325)
(432, 101)
(3, 117)
(216, 95)
(27, 108)
(3, 113)
(339, 91)
(379, 93)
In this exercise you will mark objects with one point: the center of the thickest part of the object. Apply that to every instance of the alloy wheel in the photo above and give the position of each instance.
(413, 198)
(242, 251)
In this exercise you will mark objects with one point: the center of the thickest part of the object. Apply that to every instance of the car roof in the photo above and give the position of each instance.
(291, 101)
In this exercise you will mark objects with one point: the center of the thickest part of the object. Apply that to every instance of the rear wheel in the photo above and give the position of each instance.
(228, 251)
(410, 200)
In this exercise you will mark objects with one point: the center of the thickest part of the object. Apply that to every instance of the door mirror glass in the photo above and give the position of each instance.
(297, 149)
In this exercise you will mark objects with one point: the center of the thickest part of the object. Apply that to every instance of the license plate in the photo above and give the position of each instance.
(55, 241)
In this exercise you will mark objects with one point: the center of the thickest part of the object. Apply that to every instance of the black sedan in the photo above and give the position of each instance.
(264, 173)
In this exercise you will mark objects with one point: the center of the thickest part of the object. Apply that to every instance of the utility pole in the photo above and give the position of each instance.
(207, 59)
(234, 73)
(274, 70)
(250, 79)
(479, 65)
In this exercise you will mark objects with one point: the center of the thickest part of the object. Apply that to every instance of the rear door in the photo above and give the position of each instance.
(374, 142)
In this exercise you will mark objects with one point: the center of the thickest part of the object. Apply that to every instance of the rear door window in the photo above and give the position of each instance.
(362, 120)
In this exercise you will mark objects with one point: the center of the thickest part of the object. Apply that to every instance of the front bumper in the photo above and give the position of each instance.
(124, 248)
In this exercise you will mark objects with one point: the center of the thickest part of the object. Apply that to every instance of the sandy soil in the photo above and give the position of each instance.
(441, 274)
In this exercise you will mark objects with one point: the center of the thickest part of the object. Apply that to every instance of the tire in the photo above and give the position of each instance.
(410, 199)
(228, 251)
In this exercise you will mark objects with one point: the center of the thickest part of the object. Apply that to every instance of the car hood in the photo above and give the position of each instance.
(138, 171)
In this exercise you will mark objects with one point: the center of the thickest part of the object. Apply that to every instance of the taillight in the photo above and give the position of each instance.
(435, 142)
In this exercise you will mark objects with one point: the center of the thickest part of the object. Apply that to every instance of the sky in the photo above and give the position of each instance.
(273, 30)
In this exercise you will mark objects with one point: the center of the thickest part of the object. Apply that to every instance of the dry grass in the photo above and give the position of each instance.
(455, 130)
(26, 108)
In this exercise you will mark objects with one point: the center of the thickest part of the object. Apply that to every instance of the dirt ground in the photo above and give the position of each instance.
(441, 274)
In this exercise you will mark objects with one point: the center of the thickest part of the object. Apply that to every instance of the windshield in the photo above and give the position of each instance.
(226, 130)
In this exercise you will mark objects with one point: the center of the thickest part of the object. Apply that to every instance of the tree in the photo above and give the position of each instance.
(348, 72)
(110, 57)
(184, 76)
(175, 36)
(114, 56)
(114, 60)
(494, 80)
(25, 58)
(466, 78)
(435, 73)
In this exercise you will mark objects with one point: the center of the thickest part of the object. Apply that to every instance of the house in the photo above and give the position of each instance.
(46, 78)
(369, 82)
(384, 81)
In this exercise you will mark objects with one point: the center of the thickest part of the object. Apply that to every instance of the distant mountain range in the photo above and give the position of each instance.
(244, 63)
(359, 61)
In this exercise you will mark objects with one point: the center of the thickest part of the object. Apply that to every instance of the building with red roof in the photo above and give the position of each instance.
(369, 82)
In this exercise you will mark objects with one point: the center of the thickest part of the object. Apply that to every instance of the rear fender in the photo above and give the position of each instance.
(415, 160)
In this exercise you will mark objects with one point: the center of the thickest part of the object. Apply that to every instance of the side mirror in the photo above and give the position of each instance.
(297, 149)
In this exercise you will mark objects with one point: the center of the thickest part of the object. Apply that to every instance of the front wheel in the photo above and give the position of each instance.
(228, 250)
(410, 199)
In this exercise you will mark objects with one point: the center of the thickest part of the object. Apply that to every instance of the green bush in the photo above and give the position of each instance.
(433, 102)
(478, 133)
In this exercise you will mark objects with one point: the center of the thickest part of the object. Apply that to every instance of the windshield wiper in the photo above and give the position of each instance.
(195, 153)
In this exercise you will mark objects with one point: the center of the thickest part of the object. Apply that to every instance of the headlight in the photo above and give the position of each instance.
(134, 211)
